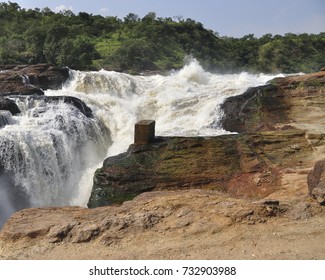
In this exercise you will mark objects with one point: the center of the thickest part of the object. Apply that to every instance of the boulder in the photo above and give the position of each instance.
(316, 182)
(9, 105)
(76, 102)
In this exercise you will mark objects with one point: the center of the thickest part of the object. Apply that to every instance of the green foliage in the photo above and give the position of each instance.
(87, 41)
(134, 54)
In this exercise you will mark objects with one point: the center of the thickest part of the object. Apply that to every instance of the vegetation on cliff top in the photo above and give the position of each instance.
(86, 41)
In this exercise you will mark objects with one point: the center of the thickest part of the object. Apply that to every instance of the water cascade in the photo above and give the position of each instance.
(51, 150)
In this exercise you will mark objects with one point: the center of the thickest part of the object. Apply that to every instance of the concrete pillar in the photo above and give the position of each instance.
(144, 132)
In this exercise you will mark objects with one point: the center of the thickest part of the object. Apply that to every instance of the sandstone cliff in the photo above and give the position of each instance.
(239, 196)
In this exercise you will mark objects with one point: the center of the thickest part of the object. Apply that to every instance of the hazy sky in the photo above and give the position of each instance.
(227, 17)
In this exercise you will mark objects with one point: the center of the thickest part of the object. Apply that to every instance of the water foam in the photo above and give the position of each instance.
(186, 102)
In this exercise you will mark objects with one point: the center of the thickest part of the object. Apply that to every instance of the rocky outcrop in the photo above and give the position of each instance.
(5, 119)
(247, 165)
(187, 224)
(285, 103)
(316, 182)
(31, 79)
(7, 104)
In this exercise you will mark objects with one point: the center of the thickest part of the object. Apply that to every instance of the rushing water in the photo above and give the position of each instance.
(51, 150)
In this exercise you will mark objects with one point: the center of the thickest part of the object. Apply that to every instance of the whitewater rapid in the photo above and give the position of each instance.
(52, 150)
(184, 103)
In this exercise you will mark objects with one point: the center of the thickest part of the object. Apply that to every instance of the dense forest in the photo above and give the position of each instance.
(85, 41)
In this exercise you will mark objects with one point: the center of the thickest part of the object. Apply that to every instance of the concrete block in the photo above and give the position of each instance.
(144, 132)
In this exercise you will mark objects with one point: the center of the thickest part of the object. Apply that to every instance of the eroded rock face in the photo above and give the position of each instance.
(32, 79)
(157, 210)
(257, 109)
(247, 165)
(187, 224)
(316, 182)
(285, 103)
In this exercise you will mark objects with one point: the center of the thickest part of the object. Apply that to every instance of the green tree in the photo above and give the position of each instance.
(136, 55)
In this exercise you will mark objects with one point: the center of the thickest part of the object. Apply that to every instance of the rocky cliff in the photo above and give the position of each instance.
(242, 196)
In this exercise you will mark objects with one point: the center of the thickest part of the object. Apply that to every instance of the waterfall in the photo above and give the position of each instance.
(51, 149)
(47, 150)
(26, 80)
(5, 118)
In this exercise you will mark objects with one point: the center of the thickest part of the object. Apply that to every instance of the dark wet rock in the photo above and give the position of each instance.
(31, 79)
(284, 103)
(255, 110)
(79, 104)
(9, 105)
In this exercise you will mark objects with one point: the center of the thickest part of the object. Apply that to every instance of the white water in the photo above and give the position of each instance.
(186, 102)
(47, 149)
(50, 147)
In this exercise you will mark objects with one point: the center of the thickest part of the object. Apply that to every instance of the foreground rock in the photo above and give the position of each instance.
(31, 79)
(189, 224)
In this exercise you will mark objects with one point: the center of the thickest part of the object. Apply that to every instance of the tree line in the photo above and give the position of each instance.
(85, 41)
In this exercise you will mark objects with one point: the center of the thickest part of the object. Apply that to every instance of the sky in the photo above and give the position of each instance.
(234, 18)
